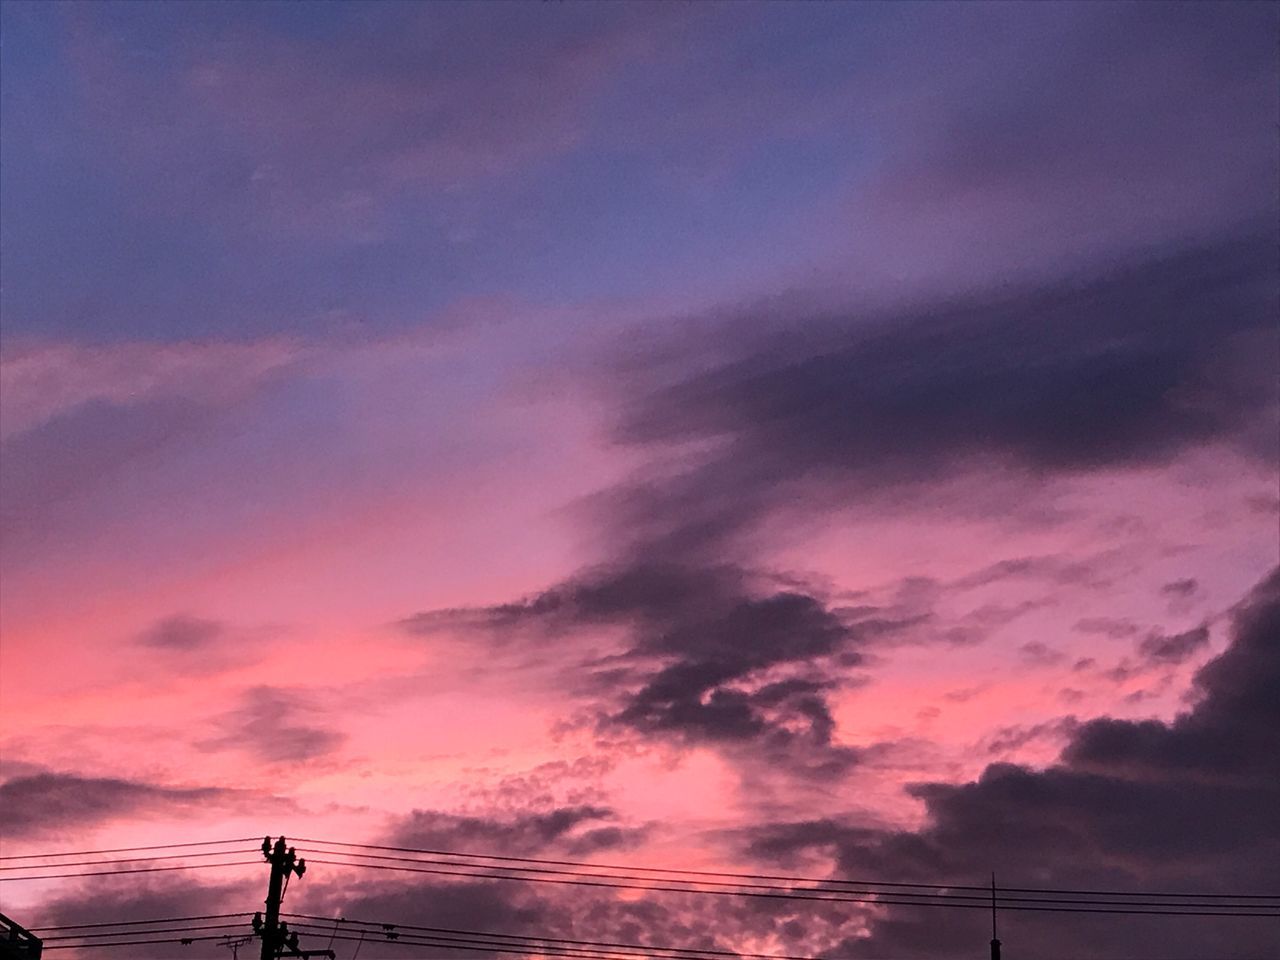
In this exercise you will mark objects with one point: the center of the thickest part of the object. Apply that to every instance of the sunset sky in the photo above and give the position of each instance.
(834, 440)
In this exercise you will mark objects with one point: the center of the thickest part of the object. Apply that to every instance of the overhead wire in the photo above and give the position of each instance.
(474, 942)
(661, 873)
(781, 893)
(984, 898)
(113, 873)
(497, 948)
(132, 943)
(134, 923)
(310, 920)
(118, 933)
(484, 944)
(983, 889)
(102, 863)
(588, 874)
(159, 846)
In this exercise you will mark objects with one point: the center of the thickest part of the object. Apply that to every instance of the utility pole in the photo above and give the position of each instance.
(276, 938)
(995, 943)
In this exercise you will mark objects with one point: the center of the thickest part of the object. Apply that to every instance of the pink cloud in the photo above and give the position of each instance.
(41, 380)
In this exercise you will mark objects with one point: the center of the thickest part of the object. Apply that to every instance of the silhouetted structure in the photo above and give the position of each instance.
(277, 939)
(18, 943)
(995, 942)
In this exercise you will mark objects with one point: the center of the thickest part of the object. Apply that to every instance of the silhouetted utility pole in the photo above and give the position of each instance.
(995, 943)
(276, 937)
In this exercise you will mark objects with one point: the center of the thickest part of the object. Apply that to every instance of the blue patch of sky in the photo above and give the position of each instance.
(88, 256)
(617, 224)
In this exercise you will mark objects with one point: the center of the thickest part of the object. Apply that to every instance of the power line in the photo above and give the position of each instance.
(310, 920)
(103, 863)
(113, 873)
(427, 940)
(543, 870)
(159, 846)
(784, 894)
(879, 897)
(788, 879)
(185, 940)
(444, 933)
(470, 944)
(134, 923)
(489, 946)
(985, 898)
(132, 943)
(614, 866)
(121, 933)
(467, 940)
(983, 890)
(404, 943)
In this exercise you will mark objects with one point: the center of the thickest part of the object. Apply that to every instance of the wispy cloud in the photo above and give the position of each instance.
(276, 725)
(45, 804)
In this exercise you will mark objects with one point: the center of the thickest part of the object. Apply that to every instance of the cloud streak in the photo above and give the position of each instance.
(1120, 369)
(711, 655)
(42, 805)
(271, 725)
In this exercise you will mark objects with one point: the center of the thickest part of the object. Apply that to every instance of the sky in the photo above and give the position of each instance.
(831, 440)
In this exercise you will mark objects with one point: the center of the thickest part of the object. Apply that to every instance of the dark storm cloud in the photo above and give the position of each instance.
(45, 803)
(182, 633)
(654, 593)
(1233, 730)
(787, 410)
(714, 655)
(1137, 805)
(268, 724)
(1126, 367)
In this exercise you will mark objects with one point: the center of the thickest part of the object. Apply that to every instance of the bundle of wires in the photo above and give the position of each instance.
(344, 860)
